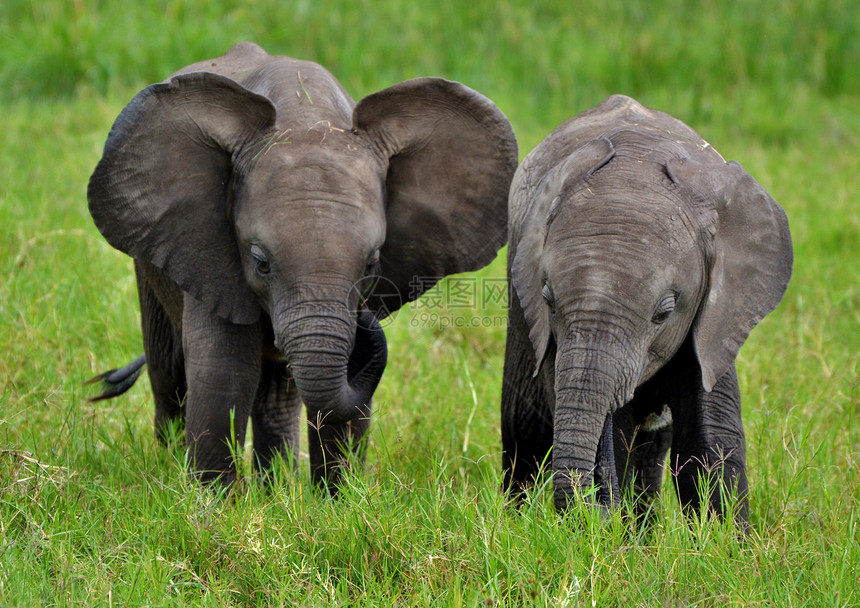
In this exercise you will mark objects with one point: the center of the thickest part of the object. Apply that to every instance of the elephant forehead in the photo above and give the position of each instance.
(309, 140)
(339, 170)
(639, 222)
(616, 249)
(624, 267)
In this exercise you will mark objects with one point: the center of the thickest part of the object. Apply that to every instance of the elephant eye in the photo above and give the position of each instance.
(261, 262)
(665, 308)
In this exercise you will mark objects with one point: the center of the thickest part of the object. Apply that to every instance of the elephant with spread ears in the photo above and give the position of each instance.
(273, 223)
(640, 260)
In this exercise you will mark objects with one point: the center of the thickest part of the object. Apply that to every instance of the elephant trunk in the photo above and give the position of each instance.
(590, 386)
(336, 360)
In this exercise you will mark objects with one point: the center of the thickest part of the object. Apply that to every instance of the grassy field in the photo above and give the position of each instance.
(94, 513)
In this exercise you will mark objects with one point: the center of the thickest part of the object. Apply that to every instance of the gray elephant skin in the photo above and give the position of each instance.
(273, 222)
(640, 261)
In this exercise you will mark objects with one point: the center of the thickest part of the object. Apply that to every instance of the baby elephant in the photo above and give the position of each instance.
(273, 221)
(640, 262)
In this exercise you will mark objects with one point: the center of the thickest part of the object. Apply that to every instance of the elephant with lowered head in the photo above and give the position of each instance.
(261, 205)
(640, 262)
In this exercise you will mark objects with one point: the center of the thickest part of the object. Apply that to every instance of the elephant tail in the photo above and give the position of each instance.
(115, 382)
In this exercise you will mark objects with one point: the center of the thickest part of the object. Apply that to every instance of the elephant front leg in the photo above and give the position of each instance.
(222, 366)
(333, 447)
(526, 408)
(275, 418)
(709, 451)
(163, 347)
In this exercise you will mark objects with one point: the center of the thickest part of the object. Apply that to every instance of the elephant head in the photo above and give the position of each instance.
(630, 235)
(255, 184)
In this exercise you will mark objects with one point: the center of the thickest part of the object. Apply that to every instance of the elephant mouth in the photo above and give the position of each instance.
(273, 354)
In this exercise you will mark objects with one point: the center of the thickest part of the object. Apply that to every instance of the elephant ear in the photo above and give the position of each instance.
(450, 155)
(533, 209)
(752, 259)
(160, 191)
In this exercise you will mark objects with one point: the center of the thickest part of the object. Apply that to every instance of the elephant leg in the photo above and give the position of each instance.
(333, 446)
(222, 365)
(527, 420)
(166, 367)
(709, 451)
(275, 417)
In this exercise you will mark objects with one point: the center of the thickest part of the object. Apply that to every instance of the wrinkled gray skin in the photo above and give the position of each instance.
(258, 202)
(640, 261)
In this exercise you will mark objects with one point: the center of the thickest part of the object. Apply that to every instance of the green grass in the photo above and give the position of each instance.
(93, 512)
